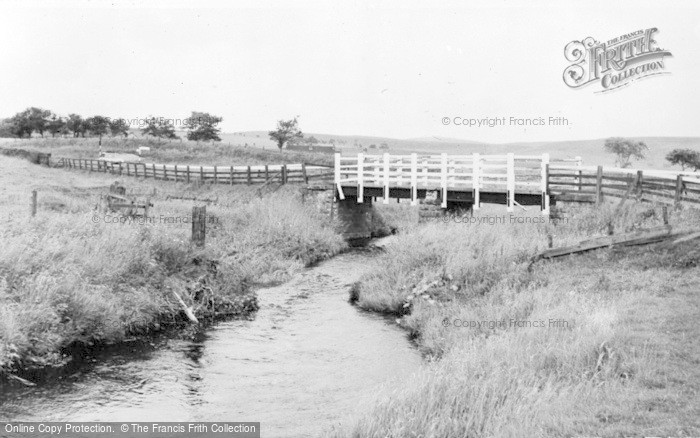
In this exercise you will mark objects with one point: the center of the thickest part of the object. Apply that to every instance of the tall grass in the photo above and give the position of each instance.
(548, 351)
(76, 274)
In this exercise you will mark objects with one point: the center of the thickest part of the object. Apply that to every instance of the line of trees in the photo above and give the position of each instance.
(200, 126)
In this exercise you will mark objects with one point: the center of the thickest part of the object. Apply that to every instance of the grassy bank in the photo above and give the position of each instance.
(167, 152)
(77, 274)
(600, 344)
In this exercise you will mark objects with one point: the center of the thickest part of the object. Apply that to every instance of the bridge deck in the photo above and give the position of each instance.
(453, 195)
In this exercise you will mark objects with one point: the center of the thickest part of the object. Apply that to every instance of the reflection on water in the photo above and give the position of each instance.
(307, 361)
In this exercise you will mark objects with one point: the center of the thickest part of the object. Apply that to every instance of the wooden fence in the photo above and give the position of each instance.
(592, 184)
(284, 173)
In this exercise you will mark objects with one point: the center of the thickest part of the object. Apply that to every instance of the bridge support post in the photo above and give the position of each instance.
(355, 219)
(510, 182)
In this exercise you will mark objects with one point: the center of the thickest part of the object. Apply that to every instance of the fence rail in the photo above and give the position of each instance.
(288, 173)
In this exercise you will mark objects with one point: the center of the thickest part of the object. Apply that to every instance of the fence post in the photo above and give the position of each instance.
(250, 181)
(640, 184)
(578, 166)
(338, 187)
(360, 181)
(303, 172)
(510, 178)
(188, 174)
(664, 213)
(545, 184)
(176, 173)
(443, 179)
(414, 179)
(476, 170)
(284, 173)
(165, 172)
(201, 174)
(153, 168)
(267, 173)
(599, 186)
(230, 174)
(33, 203)
(216, 175)
(199, 225)
(679, 190)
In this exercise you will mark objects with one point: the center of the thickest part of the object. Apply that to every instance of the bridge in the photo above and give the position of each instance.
(464, 182)
(459, 180)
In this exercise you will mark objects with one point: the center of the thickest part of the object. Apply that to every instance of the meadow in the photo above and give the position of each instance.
(78, 275)
(600, 344)
(167, 151)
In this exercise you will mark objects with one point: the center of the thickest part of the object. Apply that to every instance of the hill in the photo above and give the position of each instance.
(590, 150)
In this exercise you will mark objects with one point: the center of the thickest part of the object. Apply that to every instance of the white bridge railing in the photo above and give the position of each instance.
(508, 174)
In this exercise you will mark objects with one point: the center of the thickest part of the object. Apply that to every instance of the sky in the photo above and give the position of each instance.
(390, 68)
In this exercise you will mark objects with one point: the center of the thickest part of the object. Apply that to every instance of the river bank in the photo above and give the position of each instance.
(76, 275)
(573, 347)
(304, 365)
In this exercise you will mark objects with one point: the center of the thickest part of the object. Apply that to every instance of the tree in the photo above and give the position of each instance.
(20, 126)
(685, 157)
(98, 125)
(625, 150)
(119, 127)
(57, 126)
(28, 121)
(287, 130)
(76, 125)
(159, 127)
(202, 127)
(6, 128)
(38, 119)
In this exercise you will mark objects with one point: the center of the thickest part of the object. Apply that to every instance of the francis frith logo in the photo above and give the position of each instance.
(614, 63)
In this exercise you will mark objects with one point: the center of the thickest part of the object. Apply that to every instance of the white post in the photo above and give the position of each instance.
(443, 179)
(510, 184)
(386, 178)
(414, 179)
(476, 171)
(377, 170)
(545, 195)
(360, 181)
(337, 176)
(425, 174)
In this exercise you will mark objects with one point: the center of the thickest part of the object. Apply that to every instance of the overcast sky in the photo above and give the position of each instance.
(390, 68)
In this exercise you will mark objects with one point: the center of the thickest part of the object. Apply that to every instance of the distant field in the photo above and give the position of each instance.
(167, 152)
(255, 147)
(590, 150)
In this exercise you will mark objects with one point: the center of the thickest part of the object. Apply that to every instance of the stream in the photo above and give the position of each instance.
(306, 363)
